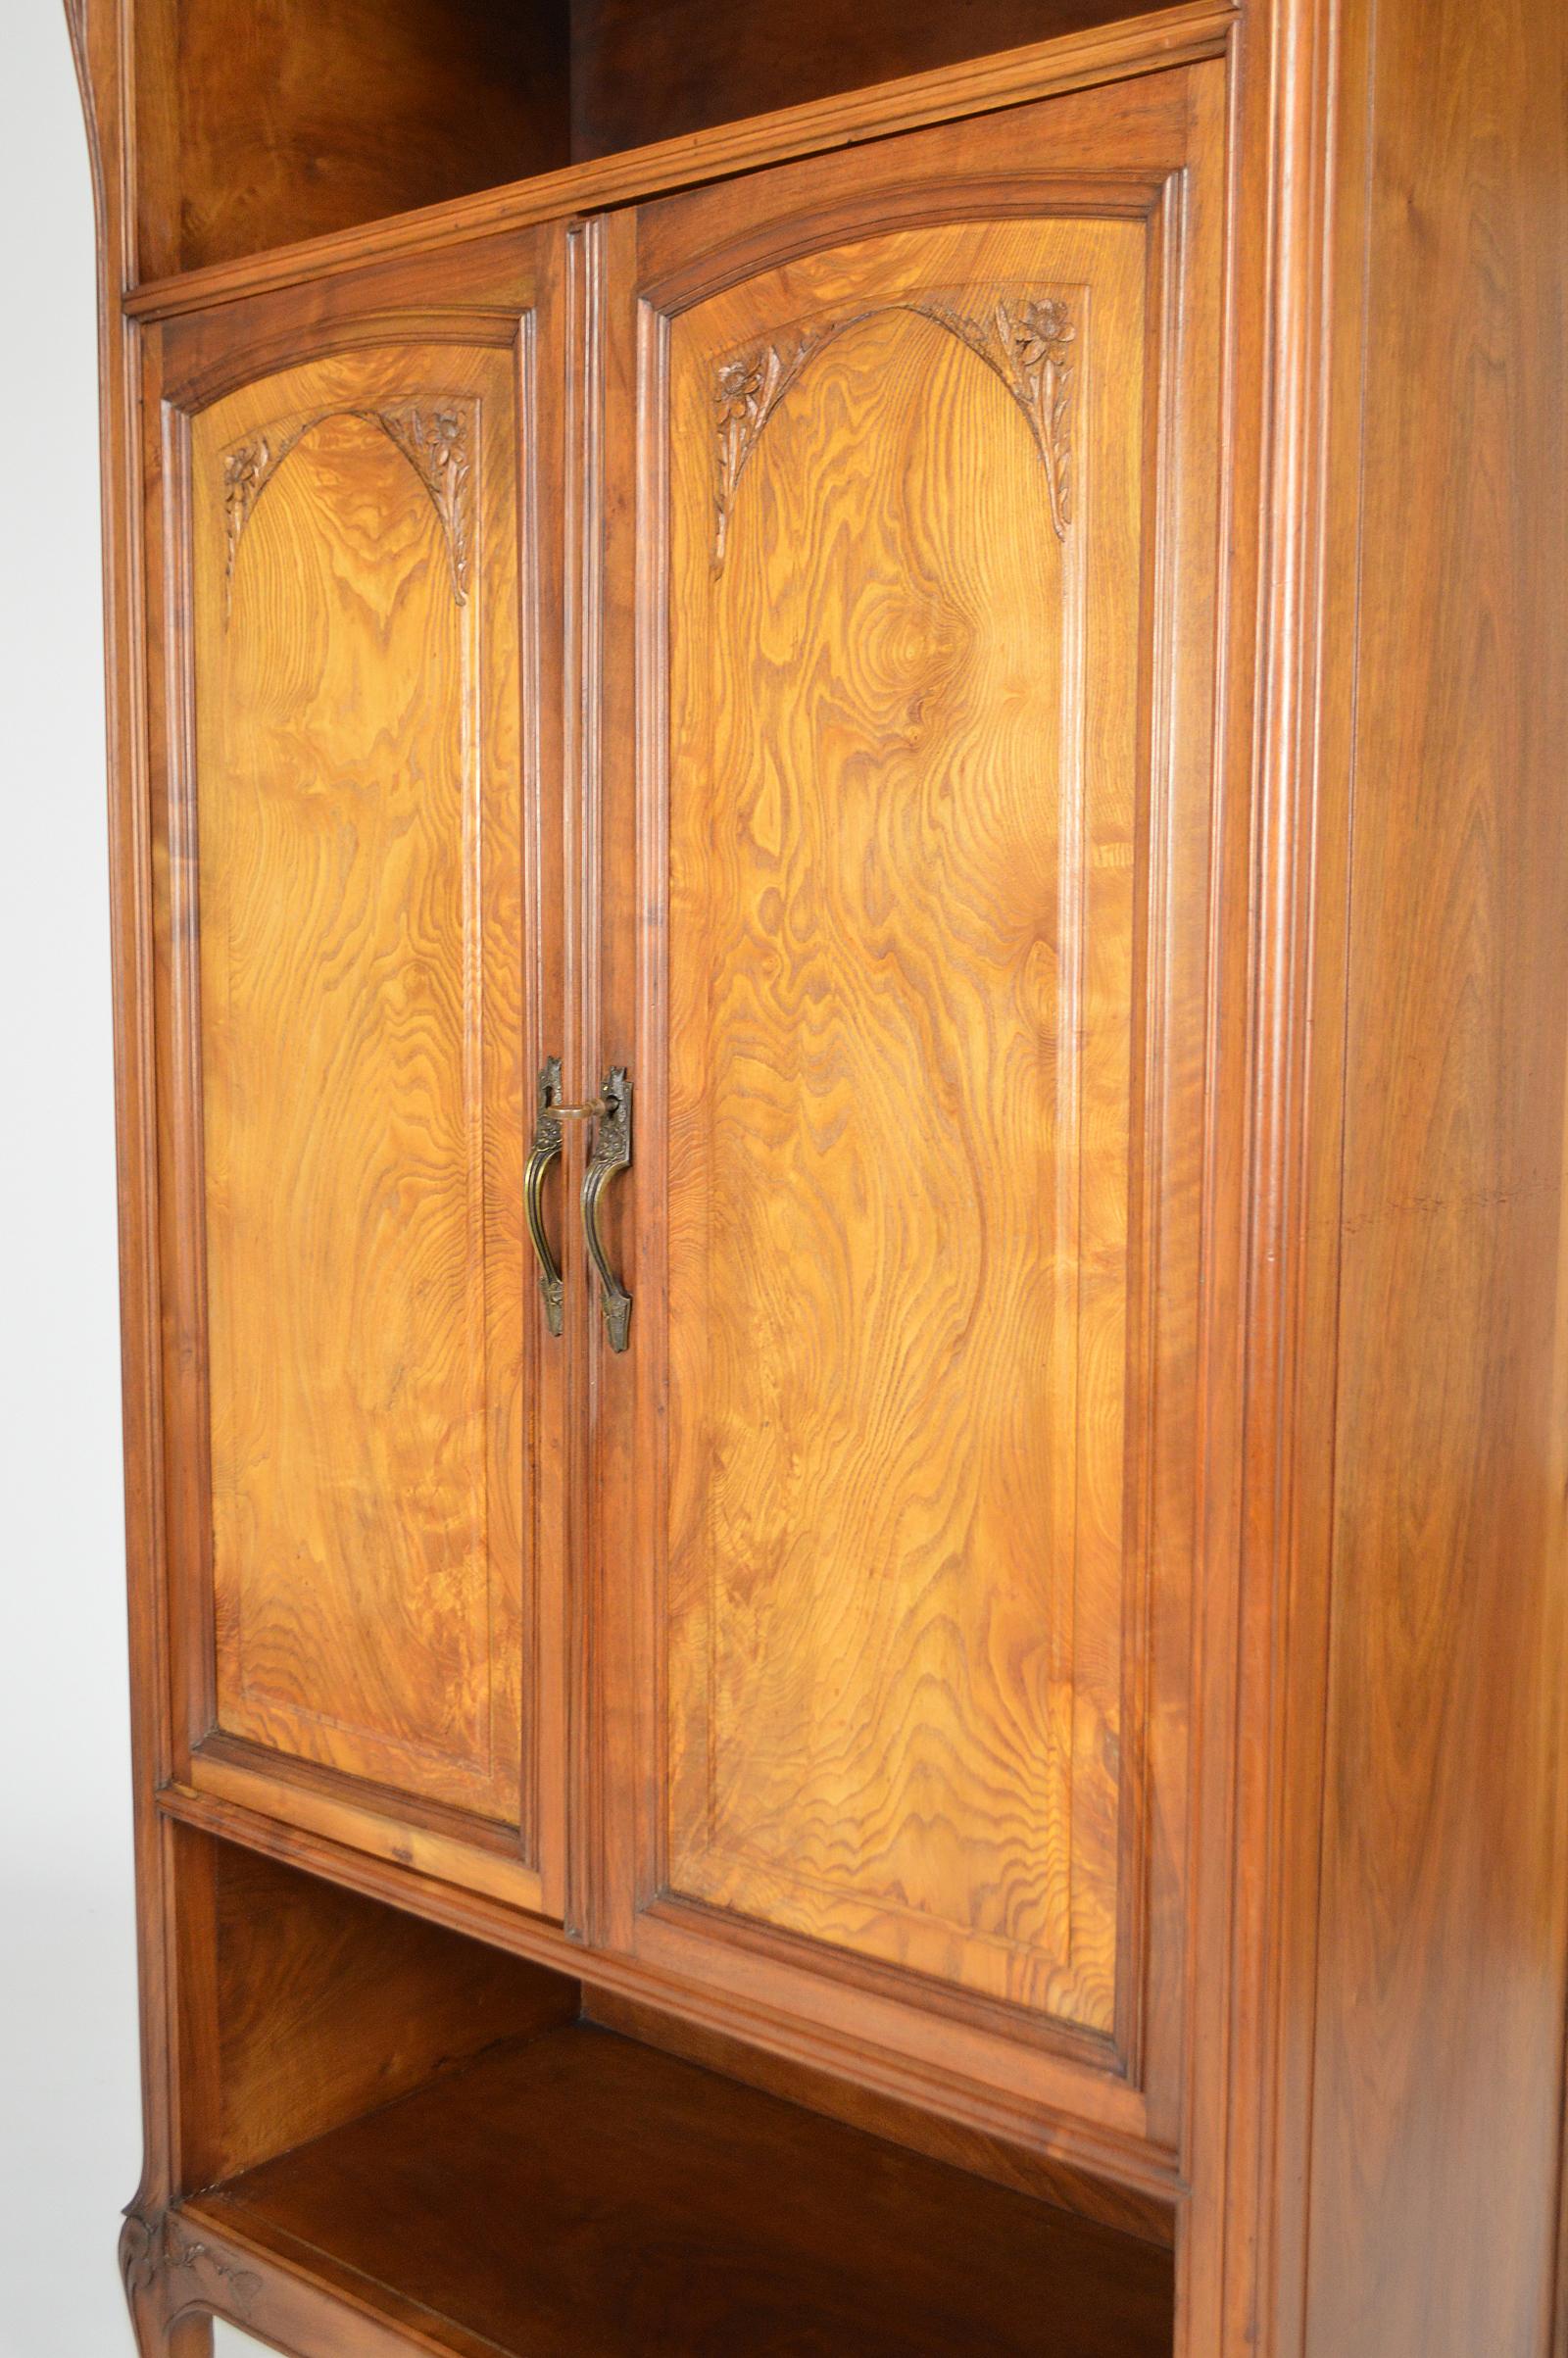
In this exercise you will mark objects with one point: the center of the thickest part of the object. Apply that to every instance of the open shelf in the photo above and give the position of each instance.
(296, 119)
(576, 2195)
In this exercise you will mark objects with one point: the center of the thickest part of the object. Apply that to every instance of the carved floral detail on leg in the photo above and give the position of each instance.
(154, 2246)
(436, 437)
(140, 2252)
(1025, 340)
(182, 2251)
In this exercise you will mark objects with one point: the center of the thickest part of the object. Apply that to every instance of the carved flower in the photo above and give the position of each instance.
(739, 389)
(1041, 331)
(445, 437)
(243, 468)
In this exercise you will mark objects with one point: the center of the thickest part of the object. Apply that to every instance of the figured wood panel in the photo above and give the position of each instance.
(354, 530)
(907, 484)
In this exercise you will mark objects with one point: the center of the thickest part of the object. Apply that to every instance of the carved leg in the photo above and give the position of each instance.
(152, 2293)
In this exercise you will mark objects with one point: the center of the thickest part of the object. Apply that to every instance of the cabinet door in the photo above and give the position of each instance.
(914, 860)
(362, 986)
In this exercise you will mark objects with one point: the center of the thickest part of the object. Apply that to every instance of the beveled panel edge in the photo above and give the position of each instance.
(252, 360)
(474, 1864)
(1172, 36)
(1029, 2028)
(1112, 2204)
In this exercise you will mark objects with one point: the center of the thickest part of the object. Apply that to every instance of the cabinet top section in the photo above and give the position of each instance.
(247, 147)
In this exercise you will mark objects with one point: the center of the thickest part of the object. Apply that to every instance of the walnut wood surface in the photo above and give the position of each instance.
(1062, 2150)
(1437, 2107)
(446, 387)
(904, 820)
(1132, 2210)
(582, 2196)
(641, 72)
(1143, 45)
(354, 527)
(327, 2006)
(260, 122)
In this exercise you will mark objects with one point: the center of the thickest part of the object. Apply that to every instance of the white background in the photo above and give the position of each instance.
(69, 2115)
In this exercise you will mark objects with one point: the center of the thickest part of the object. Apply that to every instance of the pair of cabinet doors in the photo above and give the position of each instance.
(761, 645)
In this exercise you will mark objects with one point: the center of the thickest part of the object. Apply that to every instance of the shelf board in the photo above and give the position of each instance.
(580, 2196)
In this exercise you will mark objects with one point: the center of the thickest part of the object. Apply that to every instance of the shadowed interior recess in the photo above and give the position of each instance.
(578, 2196)
(277, 122)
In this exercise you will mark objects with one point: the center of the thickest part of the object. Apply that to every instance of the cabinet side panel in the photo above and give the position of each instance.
(330, 2006)
(1433, 2182)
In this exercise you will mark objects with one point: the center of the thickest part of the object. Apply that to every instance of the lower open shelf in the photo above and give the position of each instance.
(576, 2195)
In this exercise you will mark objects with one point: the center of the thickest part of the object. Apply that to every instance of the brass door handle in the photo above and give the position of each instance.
(611, 1153)
(547, 1144)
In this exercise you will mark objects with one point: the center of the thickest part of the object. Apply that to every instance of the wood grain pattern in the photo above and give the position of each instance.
(359, 910)
(327, 2006)
(1060, 2137)
(902, 910)
(929, 2035)
(640, 75)
(1133, 2211)
(429, 1838)
(1104, 56)
(1436, 2113)
(293, 2312)
(1357, 2108)
(260, 122)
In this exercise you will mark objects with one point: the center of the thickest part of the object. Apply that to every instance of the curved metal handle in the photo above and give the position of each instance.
(611, 1153)
(547, 1142)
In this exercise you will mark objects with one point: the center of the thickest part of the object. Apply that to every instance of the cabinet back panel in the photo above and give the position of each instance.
(903, 905)
(641, 72)
(260, 122)
(354, 527)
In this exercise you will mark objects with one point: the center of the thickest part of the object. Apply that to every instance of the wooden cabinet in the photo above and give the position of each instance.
(842, 1031)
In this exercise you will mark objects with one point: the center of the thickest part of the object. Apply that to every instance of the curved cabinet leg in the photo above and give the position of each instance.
(163, 2325)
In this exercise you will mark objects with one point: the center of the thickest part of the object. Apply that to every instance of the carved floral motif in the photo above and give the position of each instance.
(746, 390)
(436, 439)
(438, 445)
(1026, 340)
(182, 2251)
(140, 2252)
(156, 2246)
(247, 469)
